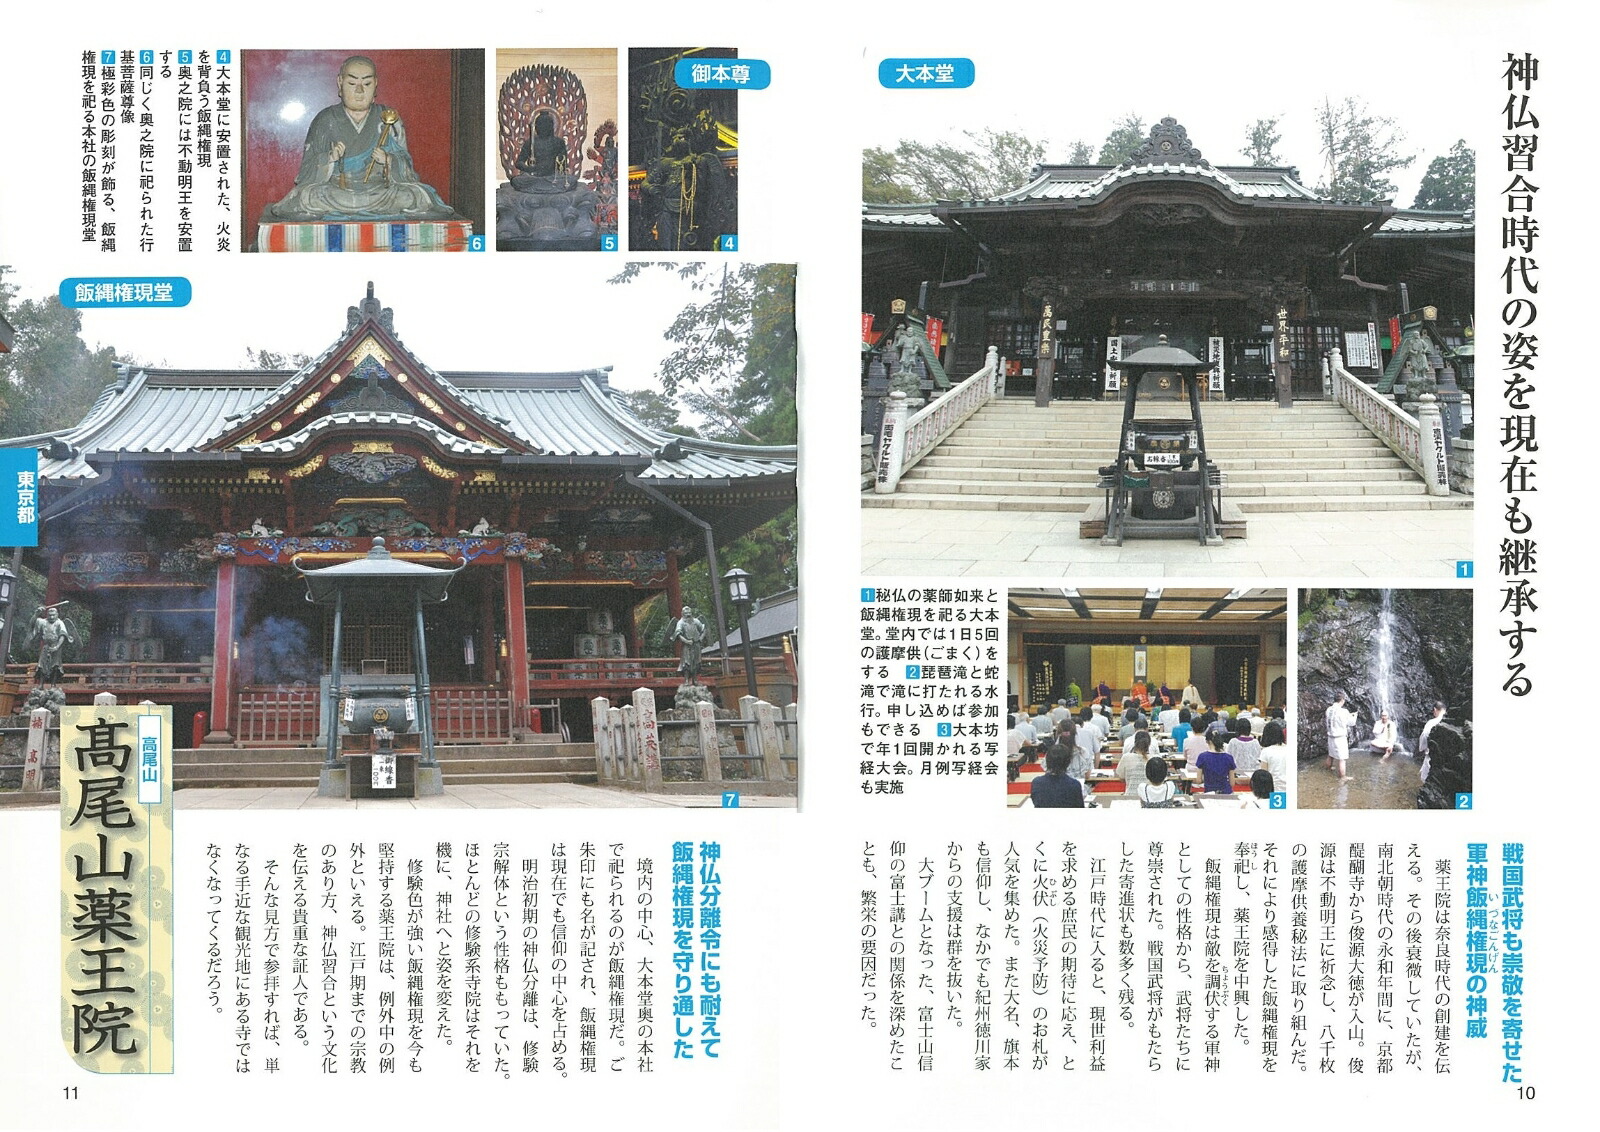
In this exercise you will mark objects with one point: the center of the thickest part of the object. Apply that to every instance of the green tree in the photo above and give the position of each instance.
(1127, 135)
(736, 351)
(1359, 149)
(1261, 143)
(1080, 153)
(734, 366)
(768, 554)
(50, 378)
(879, 168)
(1450, 182)
(657, 410)
(985, 164)
(761, 400)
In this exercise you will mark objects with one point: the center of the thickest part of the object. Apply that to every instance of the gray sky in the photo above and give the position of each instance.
(1216, 69)
(1218, 131)
(554, 314)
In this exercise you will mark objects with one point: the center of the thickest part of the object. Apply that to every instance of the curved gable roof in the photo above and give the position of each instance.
(544, 418)
(1165, 158)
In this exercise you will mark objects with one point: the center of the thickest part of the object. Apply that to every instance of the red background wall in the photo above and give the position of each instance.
(416, 83)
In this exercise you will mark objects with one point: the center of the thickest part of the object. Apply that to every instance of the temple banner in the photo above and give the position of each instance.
(1113, 354)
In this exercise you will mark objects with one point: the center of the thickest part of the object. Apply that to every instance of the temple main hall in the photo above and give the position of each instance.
(174, 513)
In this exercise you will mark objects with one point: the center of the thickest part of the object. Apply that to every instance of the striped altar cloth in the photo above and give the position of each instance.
(366, 236)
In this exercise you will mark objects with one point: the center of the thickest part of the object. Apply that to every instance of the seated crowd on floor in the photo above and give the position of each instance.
(1066, 740)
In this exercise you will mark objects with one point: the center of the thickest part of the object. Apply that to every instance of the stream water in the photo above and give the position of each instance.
(1374, 784)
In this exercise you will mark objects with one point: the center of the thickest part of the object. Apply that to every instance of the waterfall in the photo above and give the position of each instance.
(1385, 677)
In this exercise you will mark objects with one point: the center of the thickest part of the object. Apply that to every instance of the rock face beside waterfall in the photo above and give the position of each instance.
(1431, 659)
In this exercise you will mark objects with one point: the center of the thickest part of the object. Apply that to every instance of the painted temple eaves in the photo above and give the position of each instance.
(174, 511)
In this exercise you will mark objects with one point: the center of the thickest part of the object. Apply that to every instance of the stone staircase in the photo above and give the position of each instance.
(1011, 456)
(543, 759)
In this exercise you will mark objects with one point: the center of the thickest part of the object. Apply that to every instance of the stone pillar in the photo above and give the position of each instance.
(892, 445)
(605, 753)
(771, 745)
(747, 725)
(614, 728)
(630, 731)
(33, 760)
(1333, 366)
(791, 734)
(1434, 453)
(222, 666)
(517, 646)
(710, 750)
(644, 707)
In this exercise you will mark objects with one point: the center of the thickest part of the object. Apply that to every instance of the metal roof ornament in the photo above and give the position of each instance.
(370, 308)
(1168, 144)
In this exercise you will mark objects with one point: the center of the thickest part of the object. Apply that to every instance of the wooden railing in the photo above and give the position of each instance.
(287, 717)
(277, 717)
(570, 675)
(580, 675)
(577, 674)
(471, 714)
(107, 675)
